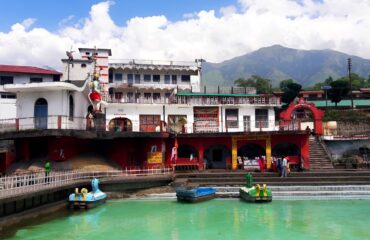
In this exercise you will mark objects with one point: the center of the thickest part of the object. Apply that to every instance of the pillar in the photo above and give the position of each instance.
(234, 153)
(268, 151)
(200, 156)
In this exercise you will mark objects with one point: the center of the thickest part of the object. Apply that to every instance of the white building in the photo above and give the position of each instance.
(20, 75)
(139, 96)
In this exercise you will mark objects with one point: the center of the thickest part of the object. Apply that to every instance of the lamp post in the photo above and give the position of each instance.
(350, 79)
(326, 88)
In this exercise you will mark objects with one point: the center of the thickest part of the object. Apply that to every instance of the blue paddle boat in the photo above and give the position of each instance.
(85, 199)
(194, 195)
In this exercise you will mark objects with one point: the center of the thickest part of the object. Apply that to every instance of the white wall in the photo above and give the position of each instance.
(76, 72)
(8, 109)
(58, 105)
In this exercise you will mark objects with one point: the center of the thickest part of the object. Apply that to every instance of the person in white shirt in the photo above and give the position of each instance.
(284, 166)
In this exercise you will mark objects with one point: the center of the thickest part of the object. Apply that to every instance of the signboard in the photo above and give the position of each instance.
(154, 157)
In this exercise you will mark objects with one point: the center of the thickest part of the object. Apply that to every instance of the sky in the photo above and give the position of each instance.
(38, 32)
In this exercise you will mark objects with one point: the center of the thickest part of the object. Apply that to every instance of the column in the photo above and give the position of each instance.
(234, 153)
(268, 151)
(200, 156)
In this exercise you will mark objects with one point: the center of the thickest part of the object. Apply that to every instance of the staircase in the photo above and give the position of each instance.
(237, 179)
(319, 160)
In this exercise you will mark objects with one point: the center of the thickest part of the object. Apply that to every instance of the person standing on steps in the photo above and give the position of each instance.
(47, 171)
(284, 166)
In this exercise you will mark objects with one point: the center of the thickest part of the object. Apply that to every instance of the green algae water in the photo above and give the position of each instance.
(215, 219)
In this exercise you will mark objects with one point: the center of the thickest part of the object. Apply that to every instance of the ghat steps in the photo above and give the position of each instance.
(229, 179)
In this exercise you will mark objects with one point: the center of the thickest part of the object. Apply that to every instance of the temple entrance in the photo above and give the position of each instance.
(41, 114)
(296, 112)
(251, 151)
(120, 125)
(285, 149)
(187, 151)
(218, 157)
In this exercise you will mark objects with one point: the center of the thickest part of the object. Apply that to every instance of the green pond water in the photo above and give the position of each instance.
(215, 219)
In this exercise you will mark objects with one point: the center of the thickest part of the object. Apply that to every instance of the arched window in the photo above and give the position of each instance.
(71, 108)
(83, 65)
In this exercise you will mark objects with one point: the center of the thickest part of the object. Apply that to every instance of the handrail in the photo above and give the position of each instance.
(25, 183)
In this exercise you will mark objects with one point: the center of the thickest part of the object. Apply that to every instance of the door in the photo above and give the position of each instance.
(41, 114)
(247, 123)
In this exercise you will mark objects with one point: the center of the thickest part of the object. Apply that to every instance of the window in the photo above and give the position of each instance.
(87, 53)
(149, 123)
(56, 78)
(156, 78)
(110, 75)
(167, 79)
(156, 96)
(261, 118)
(8, 95)
(185, 78)
(147, 95)
(118, 76)
(137, 78)
(174, 79)
(83, 65)
(118, 95)
(6, 80)
(130, 97)
(147, 78)
(35, 80)
(71, 108)
(231, 118)
(130, 78)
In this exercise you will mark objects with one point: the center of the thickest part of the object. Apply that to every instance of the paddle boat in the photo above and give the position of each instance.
(255, 193)
(85, 199)
(194, 195)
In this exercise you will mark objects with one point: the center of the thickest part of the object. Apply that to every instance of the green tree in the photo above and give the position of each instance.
(261, 84)
(290, 92)
(339, 89)
(319, 85)
(357, 81)
(283, 83)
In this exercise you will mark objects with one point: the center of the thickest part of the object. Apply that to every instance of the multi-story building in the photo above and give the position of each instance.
(150, 108)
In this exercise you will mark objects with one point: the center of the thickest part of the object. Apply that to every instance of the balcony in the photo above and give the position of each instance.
(199, 126)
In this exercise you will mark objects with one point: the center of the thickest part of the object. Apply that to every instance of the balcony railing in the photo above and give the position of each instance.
(126, 125)
(194, 100)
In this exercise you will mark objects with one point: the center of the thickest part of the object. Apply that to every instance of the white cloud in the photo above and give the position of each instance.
(308, 24)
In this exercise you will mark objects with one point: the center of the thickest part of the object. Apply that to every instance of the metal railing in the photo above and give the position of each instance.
(204, 125)
(37, 181)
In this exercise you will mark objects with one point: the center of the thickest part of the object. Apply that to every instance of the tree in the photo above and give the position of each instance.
(339, 89)
(319, 85)
(290, 92)
(283, 83)
(261, 84)
(357, 81)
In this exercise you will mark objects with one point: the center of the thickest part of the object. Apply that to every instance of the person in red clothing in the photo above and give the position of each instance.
(260, 163)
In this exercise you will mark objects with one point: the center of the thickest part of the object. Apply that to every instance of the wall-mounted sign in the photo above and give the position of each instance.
(154, 157)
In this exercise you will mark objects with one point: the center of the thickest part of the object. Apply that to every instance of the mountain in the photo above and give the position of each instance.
(278, 63)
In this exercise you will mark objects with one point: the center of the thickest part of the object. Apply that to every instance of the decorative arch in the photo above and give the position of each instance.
(120, 125)
(41, 113)
(318, 114)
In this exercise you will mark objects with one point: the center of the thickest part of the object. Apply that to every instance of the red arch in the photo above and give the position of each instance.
(317, 114)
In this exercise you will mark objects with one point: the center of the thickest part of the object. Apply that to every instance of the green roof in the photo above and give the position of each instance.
(192, 94)
(343, 103)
